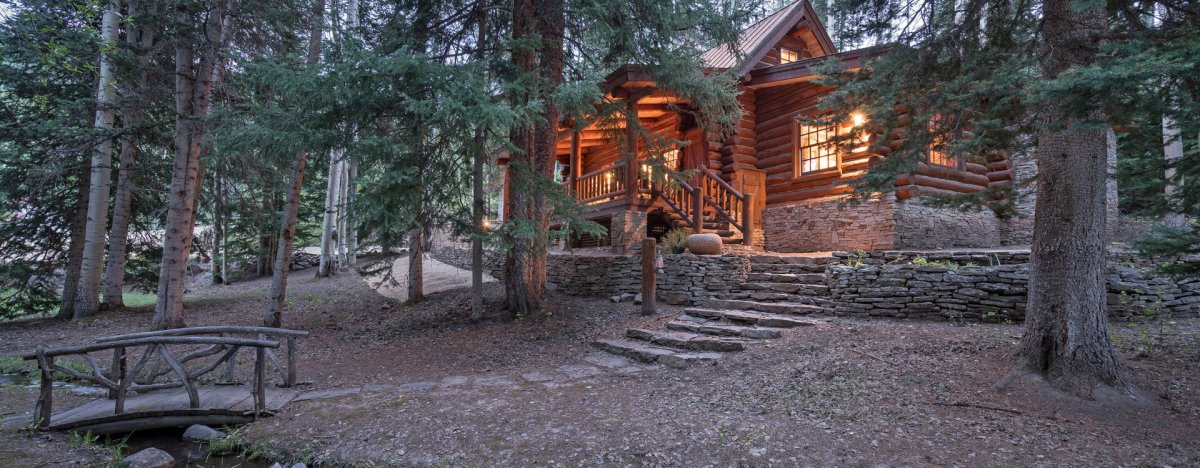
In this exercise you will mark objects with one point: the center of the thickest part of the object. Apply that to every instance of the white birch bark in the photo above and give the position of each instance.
(87, 299)
(329, 223)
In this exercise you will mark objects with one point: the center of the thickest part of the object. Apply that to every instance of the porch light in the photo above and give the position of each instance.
(858, 119)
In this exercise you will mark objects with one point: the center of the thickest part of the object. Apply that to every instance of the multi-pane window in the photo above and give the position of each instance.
(939, 148)
(815, 149)
(787, 55)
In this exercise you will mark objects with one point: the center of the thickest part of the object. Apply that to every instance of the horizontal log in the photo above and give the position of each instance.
(1000, 175)
(948, 185)
(999, 165)
(738, 149)
(739, 159)
(975, 168)
(816, 192)
(999, 184)
(270, 331)
(153, 340)
(950, 174)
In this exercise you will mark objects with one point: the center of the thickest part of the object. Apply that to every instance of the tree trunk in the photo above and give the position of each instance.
(75, 249)
(218, 230)
(532, 164)
(352, 194)
(416, 262)
(343, 189)
(477, 195)
(131, 116)
(87, 300)
(291, 208)
(328, 264)
(1066, 337)
(193, 90)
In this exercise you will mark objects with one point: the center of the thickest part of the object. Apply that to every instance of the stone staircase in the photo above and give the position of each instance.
(779, 292)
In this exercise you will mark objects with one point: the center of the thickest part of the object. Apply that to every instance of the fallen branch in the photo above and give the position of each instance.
(962, 404)
(872, 356)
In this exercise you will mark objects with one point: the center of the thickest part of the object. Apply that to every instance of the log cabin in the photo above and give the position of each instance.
(778, 182)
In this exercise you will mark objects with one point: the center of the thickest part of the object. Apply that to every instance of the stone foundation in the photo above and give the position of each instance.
(626, 230)
(825, 224)
(920, 226)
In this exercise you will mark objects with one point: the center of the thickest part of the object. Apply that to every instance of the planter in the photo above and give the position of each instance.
(704, 244)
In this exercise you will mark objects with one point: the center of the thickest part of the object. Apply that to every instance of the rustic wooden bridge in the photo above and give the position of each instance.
(145, 396)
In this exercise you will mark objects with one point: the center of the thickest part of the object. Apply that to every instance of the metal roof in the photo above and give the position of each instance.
(750, 39)
(754, 41)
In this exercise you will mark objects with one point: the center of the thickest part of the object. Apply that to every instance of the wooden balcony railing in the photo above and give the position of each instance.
(601, 185)
(729, 204)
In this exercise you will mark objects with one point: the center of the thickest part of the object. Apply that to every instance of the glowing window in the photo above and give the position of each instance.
(939, 148)
(787, 55)
(815, 149)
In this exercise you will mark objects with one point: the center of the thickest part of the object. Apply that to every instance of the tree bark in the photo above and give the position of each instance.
(87, 300)
(1066, 337)
(416, 262)
(532, 164)
(291, 208)
(75, 249)
(193, 91)
(352, 194)
(131, 116)
(328, 264)
(477, 195)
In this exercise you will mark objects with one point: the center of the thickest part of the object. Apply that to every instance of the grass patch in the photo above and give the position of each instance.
(15, 365)
(137, 299)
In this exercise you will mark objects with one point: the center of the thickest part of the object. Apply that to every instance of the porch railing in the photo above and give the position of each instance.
(728, 203)
(601, 185)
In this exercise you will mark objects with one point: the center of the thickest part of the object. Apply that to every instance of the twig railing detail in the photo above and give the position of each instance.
(121, 378)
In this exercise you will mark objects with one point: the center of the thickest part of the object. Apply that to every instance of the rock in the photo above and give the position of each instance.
(201, 433)
(149, 458)
(637, 299)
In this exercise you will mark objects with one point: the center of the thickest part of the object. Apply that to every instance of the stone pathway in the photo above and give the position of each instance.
(594, 365)
(777, 292)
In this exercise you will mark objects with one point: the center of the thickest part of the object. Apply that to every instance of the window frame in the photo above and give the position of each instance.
(798, 150)
(946, 158)
(794, 52)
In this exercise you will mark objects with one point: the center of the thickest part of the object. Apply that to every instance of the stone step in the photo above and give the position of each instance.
(789, 268)
(768, 258)
(792, 308)
(773, 297)
(744, 316)
(642, 352)
(799, 278)
(686, 340)
(705, 326)
(789, 288)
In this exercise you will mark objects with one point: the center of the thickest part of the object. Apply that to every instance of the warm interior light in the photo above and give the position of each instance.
(487, 224)
(858, 119)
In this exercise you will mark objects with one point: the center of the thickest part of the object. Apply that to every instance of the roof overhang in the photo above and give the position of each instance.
(805, 70)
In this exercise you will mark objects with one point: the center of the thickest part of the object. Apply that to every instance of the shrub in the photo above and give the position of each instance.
(675, 240)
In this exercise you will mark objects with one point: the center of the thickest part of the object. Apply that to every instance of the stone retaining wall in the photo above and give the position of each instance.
(991, 293)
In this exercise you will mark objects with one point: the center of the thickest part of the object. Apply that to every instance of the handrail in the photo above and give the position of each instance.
(120, 379)
(208, 330)
(728, 203)
(603, 170)
(602, 184)
(725, 185)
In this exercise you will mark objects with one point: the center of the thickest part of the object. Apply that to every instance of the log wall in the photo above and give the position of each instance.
(599, 157)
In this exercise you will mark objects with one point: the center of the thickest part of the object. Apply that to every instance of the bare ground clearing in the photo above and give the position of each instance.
(844, 392)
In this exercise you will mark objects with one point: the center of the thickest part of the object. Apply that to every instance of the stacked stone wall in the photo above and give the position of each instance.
(828, 224)
(992, 293)
(925, 227)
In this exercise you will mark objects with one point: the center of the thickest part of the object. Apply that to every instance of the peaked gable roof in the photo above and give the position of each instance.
(757, 40)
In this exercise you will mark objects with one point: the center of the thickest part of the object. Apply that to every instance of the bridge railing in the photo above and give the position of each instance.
(120, 378)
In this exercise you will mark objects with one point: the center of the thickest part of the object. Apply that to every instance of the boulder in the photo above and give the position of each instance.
(149, 458)
(201, 433)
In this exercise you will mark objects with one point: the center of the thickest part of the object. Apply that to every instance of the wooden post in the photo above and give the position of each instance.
(45, 402)
(576, 161)
(631, 149)
(123, 384)
(260, 377)
(698, 206)
(748, 220)
(649, 280)
(291, 371)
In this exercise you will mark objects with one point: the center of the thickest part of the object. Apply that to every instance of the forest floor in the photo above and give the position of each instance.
(844, 392)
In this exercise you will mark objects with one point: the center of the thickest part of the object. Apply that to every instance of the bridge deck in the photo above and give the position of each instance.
(228, 404)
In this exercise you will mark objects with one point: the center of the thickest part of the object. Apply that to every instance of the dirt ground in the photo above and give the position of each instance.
(845, 392)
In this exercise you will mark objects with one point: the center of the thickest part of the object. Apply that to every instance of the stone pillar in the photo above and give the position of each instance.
(626, 229)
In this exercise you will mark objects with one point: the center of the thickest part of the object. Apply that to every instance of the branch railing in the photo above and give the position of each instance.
(120, 378)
